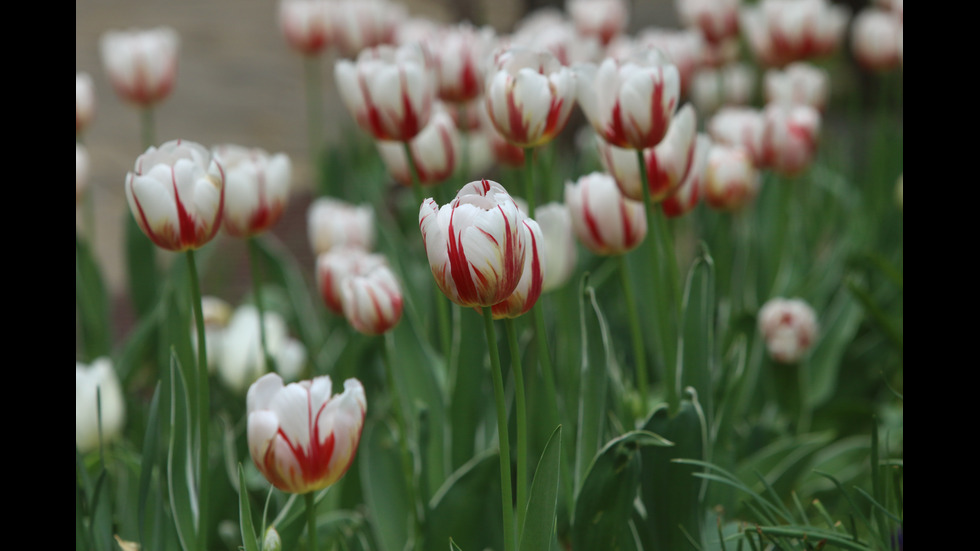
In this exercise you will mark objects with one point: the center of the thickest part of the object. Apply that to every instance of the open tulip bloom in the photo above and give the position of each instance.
(142, 64)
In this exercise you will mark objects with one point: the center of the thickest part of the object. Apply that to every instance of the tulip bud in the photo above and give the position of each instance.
(783, 31)
(81, 171)
(176, 193)
(716, 19)
(604, 220)
(789, 327)
(731, 181)
(475, 244)
(876, 39)
(242, 360)
(142, 64)
(434, 151)
(334, 223)
(372, 300)
(799, 84)
(84, 101)
(460, 54)
(733, 84)
(336, 265)
(306, 24)
(217, 314)
(560, 253)
(97, 384)
(301, 437)
(271, 541)
(689, 193)
(360, 24)
(256, 188)
(529, 288)
(602, 19)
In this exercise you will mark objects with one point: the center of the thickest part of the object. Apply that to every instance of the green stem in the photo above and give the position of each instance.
(639, 353)
(311, 518)
(203, 398)
(147, 128)
(314, 110)
(253, 256)
(515, 357)
(510, 538)
(529, 190)
(408, 466)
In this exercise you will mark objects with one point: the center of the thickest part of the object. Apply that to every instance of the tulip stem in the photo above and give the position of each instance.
(529, 190)
(253, 256)
(639, 352)
(516, 366)
(203, 398)
(510, 538)
(311, 517)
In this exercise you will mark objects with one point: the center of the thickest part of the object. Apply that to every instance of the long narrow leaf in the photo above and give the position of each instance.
(539, 518)
(245, 513)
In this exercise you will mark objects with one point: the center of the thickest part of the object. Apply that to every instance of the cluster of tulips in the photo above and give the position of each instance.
(669, 122)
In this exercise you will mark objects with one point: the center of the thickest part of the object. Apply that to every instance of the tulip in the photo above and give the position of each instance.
(602, 19)
(549, 30)
(783, 137)
(241, 360)
(217, 314)
(685, 50)
(435, 151)
(529, 96)
(333, 223)
(799, 84)
(177, 194)
(361, 24)
(256, 188)
(532, 278)
(560, 254)
(372, 300)
(338, 264)
(731, 181)
(789, 327)
(717, 20)
(81, 171)
(876, 39)
(689, 193)
(630, 103)
(306, 24)
(667, 163)
(389, 91)
(475, 244)
(97, 380)
(84, 101)
(460, 55)
(301, 437)
(604, 220)
(783, 31)
(733, 84)
(142, 64)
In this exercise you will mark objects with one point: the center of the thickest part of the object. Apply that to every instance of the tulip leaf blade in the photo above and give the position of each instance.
(453, 546)
(141, 266)
(245, 513)
(151, 439)
(597, 358)
(539, 518)
(181, 483)
(384, 487)
(474, 523)
(91, 302)
(698, 363)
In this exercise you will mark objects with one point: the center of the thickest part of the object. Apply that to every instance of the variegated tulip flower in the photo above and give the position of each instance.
(301, 436)
(338, 264)
(691, 189)
(81, 171)
(460, 54)
(388, 90)
(372, 300)
(530, 286)
(601, 19)
(141, 64)
(84, 101)
(176, 193)
(799, 83)
(435, 151)
(717, 20)
(475, 244)
(667, 163)
(731, 181)
(97, 386)
(630, 103)
(783, 137)
(685, 49)
(306, 24)
(357, 25)
(604, 220)
(730, 85)
(783, 31)
(241, 360)
(876, 39)
(550, 30)
(529, 96)
(333, 223)
(256, 188)
(560, 252)
(789, 327)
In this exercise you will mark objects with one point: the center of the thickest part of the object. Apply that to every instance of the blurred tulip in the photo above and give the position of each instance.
(241, 360)
(800, 83)
(667, 163)
(435, 152)
(731, 181)
(730, 85)
(97, 380)
(338, 264)
(783, 31)
(630, 103)
(389, 91)
(217, 315)
(176, 193)
(604, 220)
(142, 64)
(306, 24)
(256, 188)
(560, 253)
(81, 171)
(460, 56)
(691, 189)
(529, 96)
(549, 30)
(475, 244)
(876, 38)
(361, 24)
(84, 101)
(301, 437)
(529, 288)
(334, 223)
(783, 137)
(717, 20)
(684, 49)
(602, 19)
(789, 327)
(372, 300)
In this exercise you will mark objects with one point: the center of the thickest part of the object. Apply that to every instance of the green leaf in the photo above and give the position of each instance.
(466, 509)
(839, 321)
(453, 546)
(597, 357)
(141, 266)
(151, 439)
(539, 518)
(245, 513)
(385, 492)
(698, 365)
(181, 483)
(91, 302)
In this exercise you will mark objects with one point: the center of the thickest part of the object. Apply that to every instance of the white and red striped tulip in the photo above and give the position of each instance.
(339, 264)
(789, 327)
(717, 20)
(306, 24)
(731, 180)
(532, 279)
(783, 31)
(460, 55)
(689, 193)
(435, 152)
(256, 188)
(84, 101)
(372, 300)
(605, 221)
(334, 223)
(876, 39)
(560, 252)
(800, 83)
(141, 64)
(600, 19)
(360, 24)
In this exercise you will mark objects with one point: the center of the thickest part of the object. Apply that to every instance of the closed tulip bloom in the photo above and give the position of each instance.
(789, 327)
(529, 96)
(217, 315)
(691, 189)
(685, 49)
(560, 252)
(790, 139)
(532, 279)
(389, 91)
(141, 64)
(242, 360)
(435, 152)
(460, 55)
(548, 29)
(876, 39)
(333, 223)
(783, 31)
(667, 163)
(601, 19)
(361, 24)
(94, 384)
(475, 244)
(338, 264)
(301, 437)
(604, 220)
(800, 83)
(176, 193)
(84, 101)
(372, 300)
(717, 20)
(630, 103)
(731, 181)
(306, 24)
(731, 85)
(81, 171)
(256, 188)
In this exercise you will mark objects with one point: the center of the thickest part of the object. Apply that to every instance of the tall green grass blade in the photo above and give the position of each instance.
(539, 518)
(245, 514)
(151, 440)
(181, 482)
